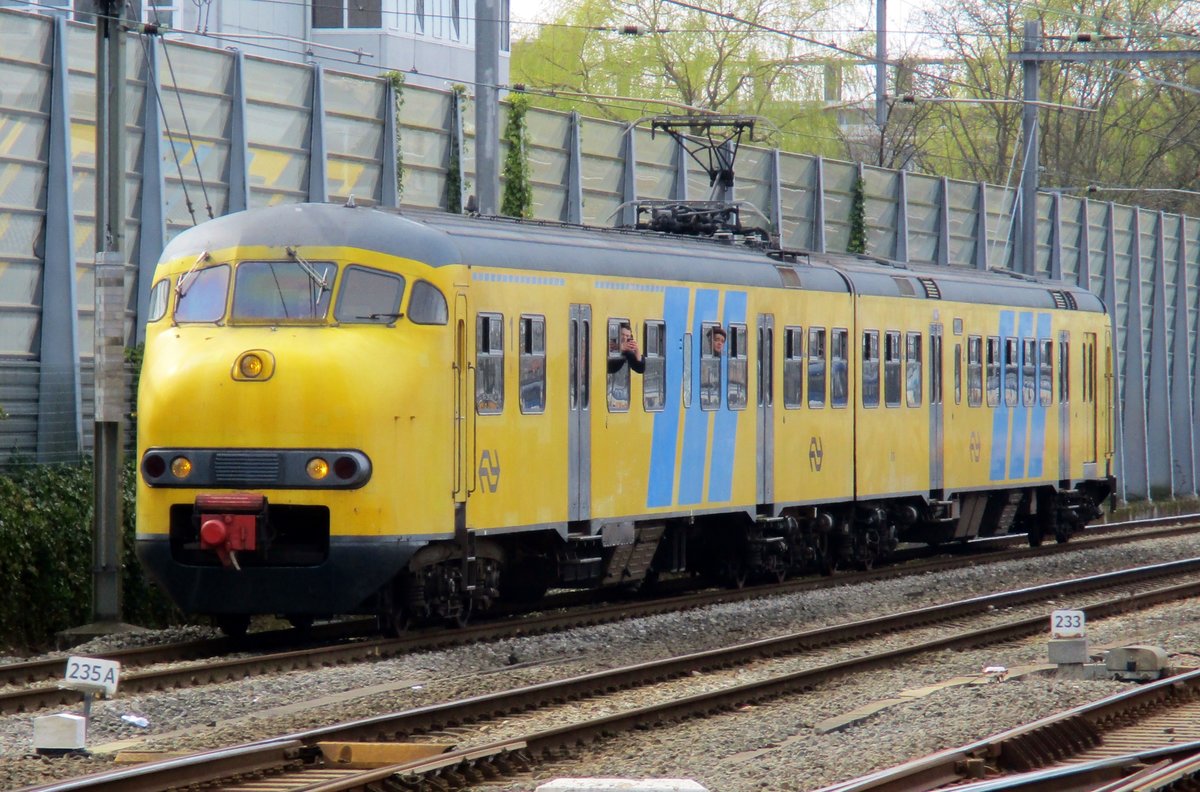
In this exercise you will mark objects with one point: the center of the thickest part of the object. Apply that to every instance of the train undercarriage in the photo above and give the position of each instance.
(451, 581)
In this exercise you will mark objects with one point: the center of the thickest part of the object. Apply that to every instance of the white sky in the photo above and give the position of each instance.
(899, 12)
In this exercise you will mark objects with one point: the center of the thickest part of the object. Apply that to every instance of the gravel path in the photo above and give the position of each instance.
(769, 746)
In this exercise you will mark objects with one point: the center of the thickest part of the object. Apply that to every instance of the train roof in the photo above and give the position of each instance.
(442, 239)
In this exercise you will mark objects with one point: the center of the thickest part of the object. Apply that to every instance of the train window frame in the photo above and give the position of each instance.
(1045, 371)
(654, 375)
(348, 282)
(160, 298)
(248, 305)
(440, 314)
(993, 371)
(489, 362)
(975, 371)
(839, 368)
(686, 370)
(710, 369)
(1064, 371)
(738, 377)
(1011, 366)
(531, 364)
(914, 369)
(870, 369)
(186, 287)
(893, 356)
(1029, 371)
(958, 373)
(817, 367)
(793, 367)
(618, 379)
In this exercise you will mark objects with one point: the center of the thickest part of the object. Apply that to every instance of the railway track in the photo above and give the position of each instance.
(297, 761)
(198, 663)
(1143, 739)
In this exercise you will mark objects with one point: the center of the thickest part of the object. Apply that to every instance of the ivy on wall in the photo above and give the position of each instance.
(454, 176)
(858, 218)
(397, 80)
(518, 187)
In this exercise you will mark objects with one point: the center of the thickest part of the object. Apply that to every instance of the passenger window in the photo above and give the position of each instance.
(793, 367)
(489, 364)
(912, 369)
(816, 367)
(1046, 373)
(974, 371)
(891, 368)
(1029, 380)
(687, 369)
(654, 378)
(958, 373)
(157, 308)
(533, 364)
(710, 368)
(1010, 372)
(618, 366)
(427, 305)
(202, 295)
(839, 363)
(870, 368)
(993, 371)
(738, 367)
(1064, 371)
(369, 297)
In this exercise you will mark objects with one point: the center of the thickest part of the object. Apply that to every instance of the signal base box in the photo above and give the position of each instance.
(54, 735)
(1068, 651)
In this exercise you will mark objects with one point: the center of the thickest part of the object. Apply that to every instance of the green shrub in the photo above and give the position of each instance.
(46, 554)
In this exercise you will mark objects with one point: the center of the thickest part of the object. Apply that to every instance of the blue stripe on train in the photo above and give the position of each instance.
(695, 424)
(720, 474)
(661, 488)
(1000, 412)
(1037, 440)
(1016, 466)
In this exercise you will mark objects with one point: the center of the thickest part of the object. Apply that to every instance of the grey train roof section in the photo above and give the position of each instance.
(441, 239)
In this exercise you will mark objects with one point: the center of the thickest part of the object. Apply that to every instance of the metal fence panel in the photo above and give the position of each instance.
(881, 210)
(924, 196)
(797, 175)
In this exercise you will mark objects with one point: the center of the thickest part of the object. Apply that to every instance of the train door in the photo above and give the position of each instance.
(464, 479)
(766, 408)
(579, 412)
(1089, 398)
(936, 425)
(1064, 405)
(1106, 398)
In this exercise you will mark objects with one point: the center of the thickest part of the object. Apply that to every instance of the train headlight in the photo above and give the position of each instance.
(317, 468)
(251, 366)
(181, 467)
(154, 466)
(254, 365)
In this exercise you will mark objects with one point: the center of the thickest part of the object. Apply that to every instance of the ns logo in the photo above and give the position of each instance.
(489, 469)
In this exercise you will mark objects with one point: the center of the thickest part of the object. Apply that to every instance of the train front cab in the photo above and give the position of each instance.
(277, 448)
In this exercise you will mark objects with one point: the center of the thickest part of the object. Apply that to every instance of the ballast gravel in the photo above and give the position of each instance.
(769, 746)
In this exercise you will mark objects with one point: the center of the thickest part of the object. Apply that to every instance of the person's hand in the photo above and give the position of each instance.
(630, 345)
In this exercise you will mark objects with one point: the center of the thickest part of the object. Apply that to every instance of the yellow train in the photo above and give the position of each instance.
(350, 410)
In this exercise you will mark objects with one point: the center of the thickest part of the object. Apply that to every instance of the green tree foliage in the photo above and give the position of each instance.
(454, 174)
(518, 189)
(690, 59)
(1135, 126)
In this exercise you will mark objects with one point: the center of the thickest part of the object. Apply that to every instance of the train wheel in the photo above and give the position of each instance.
(1035, 537)
(234, 625)
(465, 609)
(391, 619)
